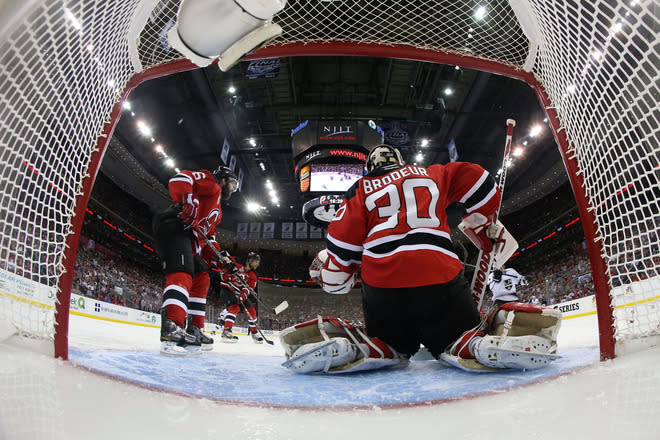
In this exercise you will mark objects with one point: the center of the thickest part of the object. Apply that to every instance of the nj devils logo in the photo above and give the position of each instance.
(207, 223)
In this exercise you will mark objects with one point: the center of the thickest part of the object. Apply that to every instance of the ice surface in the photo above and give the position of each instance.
(41, 397)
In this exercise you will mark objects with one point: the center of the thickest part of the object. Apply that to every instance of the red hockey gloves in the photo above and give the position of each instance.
(230, 267)
(189, 208)
(211, 254)
(242, 294)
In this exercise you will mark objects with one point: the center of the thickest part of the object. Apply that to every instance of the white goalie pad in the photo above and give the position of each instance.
(330, 345)
(519, 336)
(520, 319)
(515, 352)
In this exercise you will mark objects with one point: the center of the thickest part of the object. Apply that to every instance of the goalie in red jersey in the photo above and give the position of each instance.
(392, 226)
(181, 232)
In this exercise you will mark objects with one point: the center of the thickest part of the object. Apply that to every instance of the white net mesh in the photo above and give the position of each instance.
(67, 63)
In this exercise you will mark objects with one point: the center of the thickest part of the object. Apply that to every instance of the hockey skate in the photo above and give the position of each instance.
(228, 336)
(256, 337)
(174, 341)
(198, 333)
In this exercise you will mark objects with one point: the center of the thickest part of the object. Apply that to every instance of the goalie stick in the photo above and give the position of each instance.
(485, 259)
(225, 260)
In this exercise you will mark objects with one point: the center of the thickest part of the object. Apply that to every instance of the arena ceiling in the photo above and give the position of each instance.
(191, 114)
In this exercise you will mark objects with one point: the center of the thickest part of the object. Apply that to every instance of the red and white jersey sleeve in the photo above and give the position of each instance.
(203, 185)
(250, 279)
(393, 222)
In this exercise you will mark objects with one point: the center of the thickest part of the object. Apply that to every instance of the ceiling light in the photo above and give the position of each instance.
(448, 91)
(518, 151)
(253, 142)
(480, 13)
(72, 19)
(535, 130)
(126, 105)
(425, 142)
(144, 129)
(252, 206)
(269, 184)
(231, 89)
(419, 157)
(159, 148)
(169, 163)
(262, 166)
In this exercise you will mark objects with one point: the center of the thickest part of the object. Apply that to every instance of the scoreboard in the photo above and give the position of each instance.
(329, 157)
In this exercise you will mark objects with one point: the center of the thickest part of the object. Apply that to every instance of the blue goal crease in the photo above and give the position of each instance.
(241, 378)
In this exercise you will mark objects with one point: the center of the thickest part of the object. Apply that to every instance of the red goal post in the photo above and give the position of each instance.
(68, 65)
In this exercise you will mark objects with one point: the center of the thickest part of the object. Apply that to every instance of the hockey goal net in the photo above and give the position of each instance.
(68, 64)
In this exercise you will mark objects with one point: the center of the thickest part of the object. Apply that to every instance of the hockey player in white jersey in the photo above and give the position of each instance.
(503, 284)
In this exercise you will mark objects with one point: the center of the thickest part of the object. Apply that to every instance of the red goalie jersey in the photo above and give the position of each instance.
(201, 184)
(394, 219)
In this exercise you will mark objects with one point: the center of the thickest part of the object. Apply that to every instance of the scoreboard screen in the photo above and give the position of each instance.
(334, 177)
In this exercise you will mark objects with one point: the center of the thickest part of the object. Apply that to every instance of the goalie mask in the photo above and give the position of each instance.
(383, 155)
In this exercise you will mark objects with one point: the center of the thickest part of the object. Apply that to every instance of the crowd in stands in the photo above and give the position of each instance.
(558, 268)
(102, 275)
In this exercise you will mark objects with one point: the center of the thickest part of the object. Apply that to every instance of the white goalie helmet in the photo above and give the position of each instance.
(383, 155)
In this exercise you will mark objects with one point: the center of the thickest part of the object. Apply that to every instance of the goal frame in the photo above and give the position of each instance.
(595, 248)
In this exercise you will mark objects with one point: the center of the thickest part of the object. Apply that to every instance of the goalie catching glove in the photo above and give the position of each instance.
(331, 277)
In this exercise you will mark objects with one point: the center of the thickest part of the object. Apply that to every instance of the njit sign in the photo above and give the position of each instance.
(337, 132)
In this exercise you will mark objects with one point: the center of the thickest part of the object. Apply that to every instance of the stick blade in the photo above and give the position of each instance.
(280, 308)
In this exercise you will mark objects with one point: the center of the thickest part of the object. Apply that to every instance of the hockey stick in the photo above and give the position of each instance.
(250, 318)
(276, 310)
(485, 259)
(225, 260)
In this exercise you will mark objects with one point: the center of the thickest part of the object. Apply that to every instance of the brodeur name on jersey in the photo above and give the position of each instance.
(394, 219)
(203, 185)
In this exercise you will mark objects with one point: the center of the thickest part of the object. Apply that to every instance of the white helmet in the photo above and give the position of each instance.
(383, 155)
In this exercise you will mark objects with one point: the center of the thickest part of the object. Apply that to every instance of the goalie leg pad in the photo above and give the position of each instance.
(516, 352)
(332, 345)
(322, 356)
(519, 319)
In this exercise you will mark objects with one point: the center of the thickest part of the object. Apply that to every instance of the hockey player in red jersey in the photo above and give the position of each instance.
(392, 226)
(235, 293)
(180, 233)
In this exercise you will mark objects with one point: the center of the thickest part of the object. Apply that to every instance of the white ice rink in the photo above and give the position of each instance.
(44, 398)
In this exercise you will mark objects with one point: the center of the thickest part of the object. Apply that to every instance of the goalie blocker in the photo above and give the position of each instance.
(516, 336)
